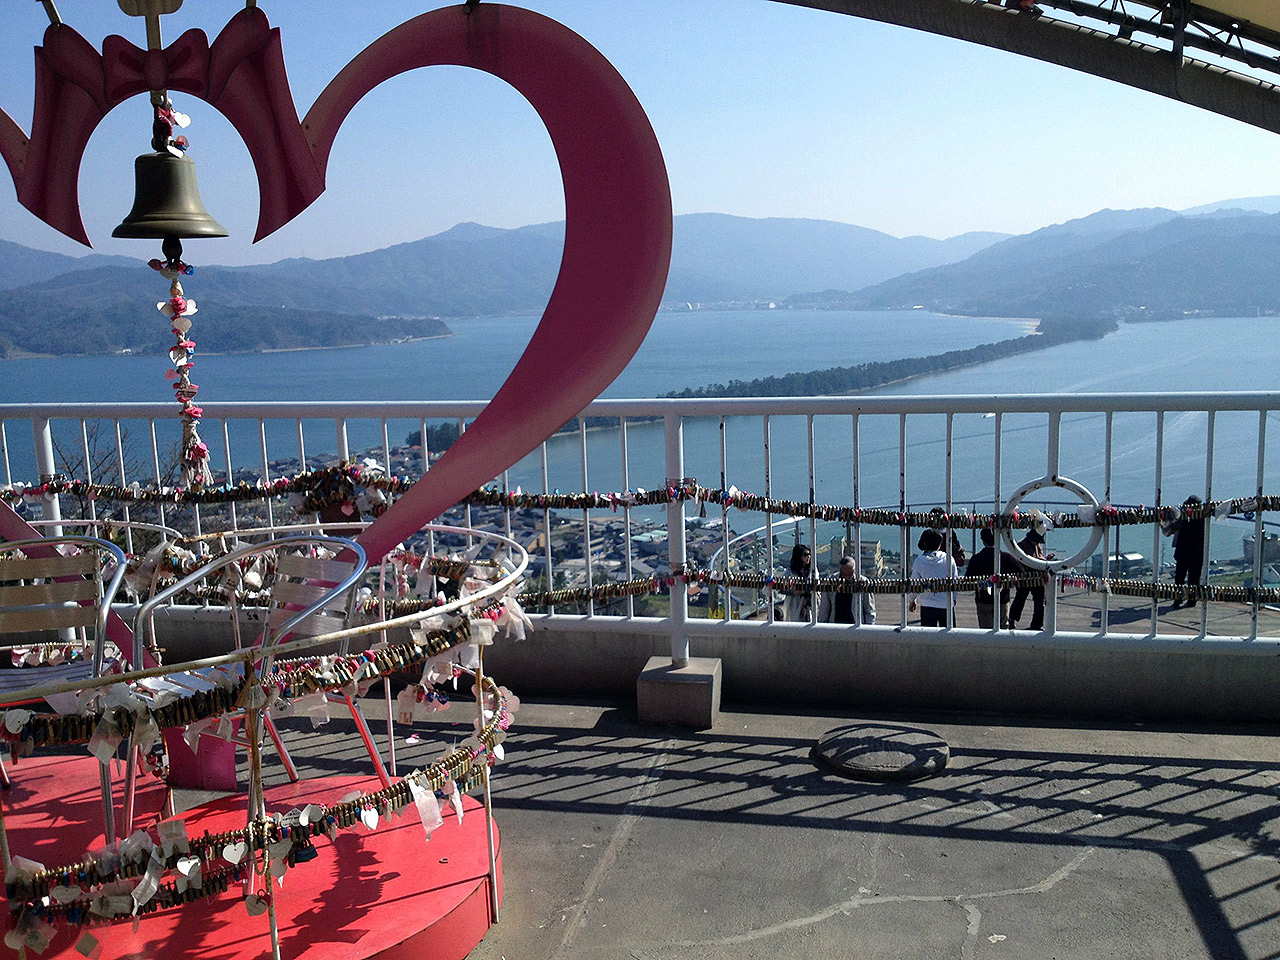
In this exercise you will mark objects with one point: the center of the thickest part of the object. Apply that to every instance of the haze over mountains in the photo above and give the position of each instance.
(1114, 264)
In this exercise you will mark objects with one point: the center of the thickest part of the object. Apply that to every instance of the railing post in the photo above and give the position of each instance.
(673, 425)
(685, 690)
(51, 506)
(1054, 469)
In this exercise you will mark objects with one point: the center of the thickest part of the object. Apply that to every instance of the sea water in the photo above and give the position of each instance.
(684, 349)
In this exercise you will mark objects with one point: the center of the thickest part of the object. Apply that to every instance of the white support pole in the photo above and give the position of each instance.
(1155, 527)
(45, 463)
(488, 796)
(674, 431)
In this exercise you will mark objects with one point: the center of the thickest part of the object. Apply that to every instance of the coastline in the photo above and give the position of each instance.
(18, 354)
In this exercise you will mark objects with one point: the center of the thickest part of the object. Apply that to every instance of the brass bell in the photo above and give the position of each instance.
(166, 202)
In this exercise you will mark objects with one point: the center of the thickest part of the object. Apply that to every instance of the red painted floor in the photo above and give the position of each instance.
(388, 893)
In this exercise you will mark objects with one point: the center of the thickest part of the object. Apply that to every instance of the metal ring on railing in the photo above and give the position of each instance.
(1035, 563)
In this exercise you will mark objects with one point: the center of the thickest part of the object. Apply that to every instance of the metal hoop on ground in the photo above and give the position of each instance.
(1035, 563)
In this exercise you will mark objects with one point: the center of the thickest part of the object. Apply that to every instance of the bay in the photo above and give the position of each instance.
(682, 349)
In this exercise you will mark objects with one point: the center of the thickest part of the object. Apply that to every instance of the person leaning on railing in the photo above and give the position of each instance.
(838, 607)
(933, 564)
(983, 564)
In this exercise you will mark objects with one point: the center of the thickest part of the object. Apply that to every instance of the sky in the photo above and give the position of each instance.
(762, 110)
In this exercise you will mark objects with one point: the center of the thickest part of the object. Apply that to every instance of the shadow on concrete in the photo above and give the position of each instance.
(1171, 806)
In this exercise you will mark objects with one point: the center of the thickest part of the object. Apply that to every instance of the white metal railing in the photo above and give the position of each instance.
(959, 452)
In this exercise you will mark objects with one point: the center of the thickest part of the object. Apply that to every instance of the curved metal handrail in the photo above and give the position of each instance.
(145, 615)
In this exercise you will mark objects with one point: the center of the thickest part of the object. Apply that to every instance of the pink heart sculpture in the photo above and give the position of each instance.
(617, 246)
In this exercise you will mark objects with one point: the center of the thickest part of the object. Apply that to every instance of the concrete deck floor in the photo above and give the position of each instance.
(1041, 840)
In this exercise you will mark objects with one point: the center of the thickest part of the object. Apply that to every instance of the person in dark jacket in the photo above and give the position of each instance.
(1033, 546)
(1188, 552)
(983, 564)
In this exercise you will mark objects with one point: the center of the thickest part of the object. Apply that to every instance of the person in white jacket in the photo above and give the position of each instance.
(933, 563)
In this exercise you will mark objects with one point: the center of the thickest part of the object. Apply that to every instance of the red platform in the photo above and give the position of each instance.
(388, 893)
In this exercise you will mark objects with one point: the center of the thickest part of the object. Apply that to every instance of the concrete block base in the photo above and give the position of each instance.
(688, 695)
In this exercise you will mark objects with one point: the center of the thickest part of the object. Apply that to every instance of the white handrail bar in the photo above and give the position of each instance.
(699, 407)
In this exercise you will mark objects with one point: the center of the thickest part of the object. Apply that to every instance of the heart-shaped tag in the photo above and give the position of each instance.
(310, 814)
(255, 904)
(278, 868)
(14, 940)
(181, 324)
(187, 864)
(234, 852)
(369, 817)
(15, 720)
(280, 849)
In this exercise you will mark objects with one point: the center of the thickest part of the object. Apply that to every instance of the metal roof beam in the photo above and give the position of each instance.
(1136, 64)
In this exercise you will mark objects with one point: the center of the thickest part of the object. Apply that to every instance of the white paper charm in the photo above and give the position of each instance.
(455, 799)
(20, 867)
(428, 806)
(173, 838)
(193, 732)
(150, 882)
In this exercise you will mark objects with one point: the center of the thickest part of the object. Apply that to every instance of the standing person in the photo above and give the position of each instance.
(797, 604)
(1033, 546)
(1188, 552)
(956, 549)
(983, 564)
(838, 607)
(933, 564)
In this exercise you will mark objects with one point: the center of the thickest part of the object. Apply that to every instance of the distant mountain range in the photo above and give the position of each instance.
(469, 270)
(1116, 264)
(1113, 264)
